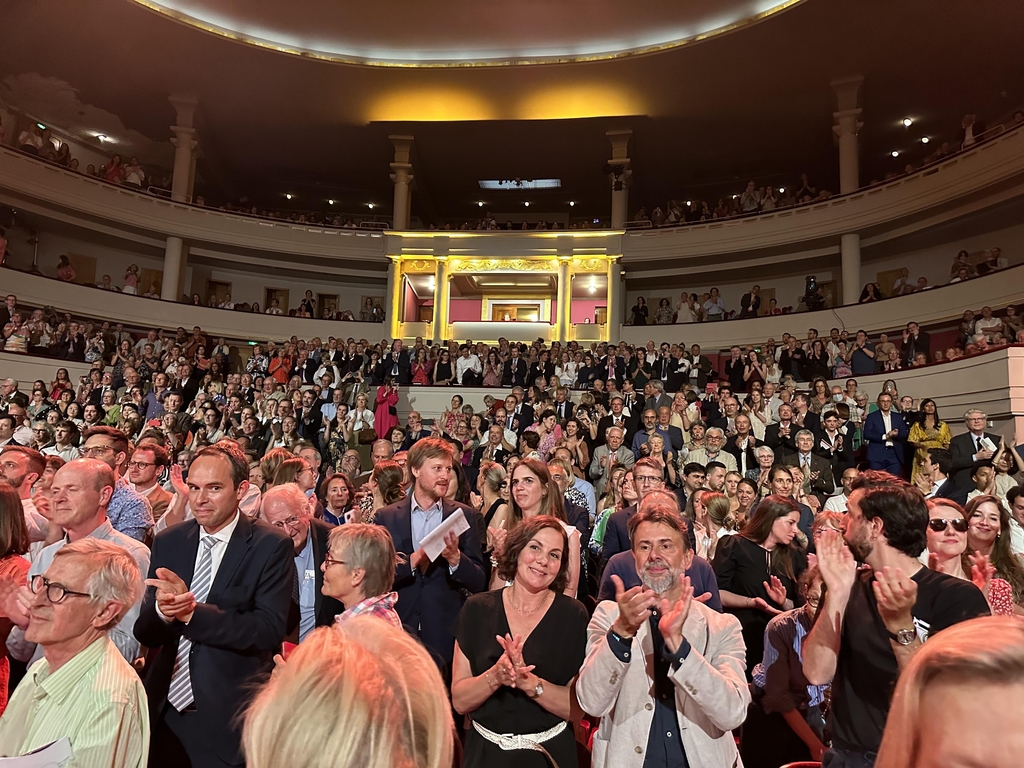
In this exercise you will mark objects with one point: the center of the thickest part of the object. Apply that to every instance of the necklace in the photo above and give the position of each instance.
(524, 611)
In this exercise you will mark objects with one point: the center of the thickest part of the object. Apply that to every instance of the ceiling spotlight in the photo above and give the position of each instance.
(480, 203)
(907, 122)
(102, 137)
(330, 202)
(288, 196)
(40, 126)
(527, 203)
(370, 206)
(688, 202)
(925, 139)
(734, 197)
(782, 190)
(895, 153)
(572, 203)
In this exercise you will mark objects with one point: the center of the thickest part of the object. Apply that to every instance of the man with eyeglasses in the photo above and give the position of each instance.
(82, 689)
(144, 470)
(974, 448)
(80, 493)
(128, 510)
(648, 475)
(287, 508)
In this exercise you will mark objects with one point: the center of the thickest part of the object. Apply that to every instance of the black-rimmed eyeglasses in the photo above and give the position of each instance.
(55, 592)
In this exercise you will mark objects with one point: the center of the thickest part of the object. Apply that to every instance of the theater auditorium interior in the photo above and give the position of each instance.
(407, 384)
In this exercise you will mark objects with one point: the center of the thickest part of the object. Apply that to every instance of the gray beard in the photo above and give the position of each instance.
(660, 585)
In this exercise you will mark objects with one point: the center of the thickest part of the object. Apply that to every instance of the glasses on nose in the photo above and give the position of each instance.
(329, 561)
(140, 464)
(55, 592)
(646, 479)
(939, 524)
(95, 450)
(291, 522)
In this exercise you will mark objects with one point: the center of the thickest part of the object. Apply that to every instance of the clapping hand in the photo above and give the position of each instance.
(673, 615)
(172, 595)
(982, 572)
(895, 594)
(776, 591)
(178, 480)
(15, 600)
(513, 647)
(836, 563)
(634, 607)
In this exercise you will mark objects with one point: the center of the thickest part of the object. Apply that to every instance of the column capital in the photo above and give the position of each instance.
(185, 108)
(620, 142)
(402, 173)
(403, 145)
(847, 122)
(847, 91)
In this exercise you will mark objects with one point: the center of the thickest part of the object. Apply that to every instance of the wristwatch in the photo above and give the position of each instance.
(538, 691)
(903, 636)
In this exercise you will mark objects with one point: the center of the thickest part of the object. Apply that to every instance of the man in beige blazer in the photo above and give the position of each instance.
(664, 673)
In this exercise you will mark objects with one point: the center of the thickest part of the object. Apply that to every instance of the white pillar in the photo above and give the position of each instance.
(846, 127)
(849, 248)
(441, 295)
(174, 268)
(401, 175)
(184, 144)
(563, 320)
(614, 309)
(392, 300)
(619, 176)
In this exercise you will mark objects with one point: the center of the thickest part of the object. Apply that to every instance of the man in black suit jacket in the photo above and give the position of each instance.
(310, 418)
(700, 367)
(397, 365)
(915, 342)
(937, 466)
(492, 450)
(781, 436)
(287, 508)
(208, 651)
(612, 368)
(563, 405)
(430, 593)
(972, 449)
(515, 370)
(750, 303)
(617, 417)
(519, 412)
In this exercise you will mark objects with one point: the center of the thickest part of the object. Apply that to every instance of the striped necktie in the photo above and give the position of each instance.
(179, 694)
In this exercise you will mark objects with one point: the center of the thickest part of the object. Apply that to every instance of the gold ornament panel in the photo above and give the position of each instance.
(502, 265)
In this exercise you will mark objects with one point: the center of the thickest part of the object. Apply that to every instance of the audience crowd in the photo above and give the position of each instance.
(631, 559)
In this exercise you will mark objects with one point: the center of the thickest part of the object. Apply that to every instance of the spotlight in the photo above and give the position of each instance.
(734, 197)
(527, 204)
(907, 122)
(370, 206)
(330, 202)
(480, 203)
(101, 137)
(925, 139)
(40, 126)
(782, 190)
(572, 203)
(895, 153)
(288, 196)
(689, 203)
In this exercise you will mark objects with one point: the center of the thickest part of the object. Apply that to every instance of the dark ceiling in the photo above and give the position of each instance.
(754, 103)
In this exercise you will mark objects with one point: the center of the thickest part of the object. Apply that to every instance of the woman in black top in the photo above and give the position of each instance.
(816, 364)
(444, 372)
(757, 570)
(587, 372)
(528, 635)
(640, 312)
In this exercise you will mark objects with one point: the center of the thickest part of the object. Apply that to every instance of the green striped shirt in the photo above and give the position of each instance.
(96, 699)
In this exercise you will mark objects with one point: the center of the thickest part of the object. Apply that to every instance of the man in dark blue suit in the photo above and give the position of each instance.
(885, 432)
(938, 466)
(430, 593)
(213, 616)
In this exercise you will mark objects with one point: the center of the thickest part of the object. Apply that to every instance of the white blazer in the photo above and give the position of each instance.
(711, 690)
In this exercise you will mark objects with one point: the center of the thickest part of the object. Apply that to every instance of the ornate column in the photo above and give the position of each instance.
(846, 127)
(401, 175)
(849, 249)
(614, 310)
(442, 293)
(564, 299)
(619, 176)
(174, 269)
(393, 299)
(184, 144)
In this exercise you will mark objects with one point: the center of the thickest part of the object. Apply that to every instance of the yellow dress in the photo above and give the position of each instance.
(936, 437)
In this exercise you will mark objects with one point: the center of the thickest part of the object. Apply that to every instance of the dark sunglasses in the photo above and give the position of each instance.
(938, 524)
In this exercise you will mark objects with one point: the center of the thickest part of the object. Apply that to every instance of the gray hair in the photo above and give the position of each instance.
(975, 410)
(391, 448)
(761, 450)
(657, 384)
(369, 547)
(714, 430)
(114, 577)
(291, 494)
(621, 431)
(805, 432)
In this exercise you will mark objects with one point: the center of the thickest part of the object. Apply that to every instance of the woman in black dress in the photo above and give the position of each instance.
(517, 652)
(640, 311)
(758, 569)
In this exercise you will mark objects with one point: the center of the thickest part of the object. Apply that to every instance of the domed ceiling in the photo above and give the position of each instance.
(468, 32)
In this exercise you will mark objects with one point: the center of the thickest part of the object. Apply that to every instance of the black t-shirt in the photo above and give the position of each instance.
(867, 670)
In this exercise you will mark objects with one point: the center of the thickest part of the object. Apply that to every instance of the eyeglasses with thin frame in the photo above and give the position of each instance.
(291, 522)
(939, 524)
(94, 450)
(329, 561)
(55, 592)
(646, 479)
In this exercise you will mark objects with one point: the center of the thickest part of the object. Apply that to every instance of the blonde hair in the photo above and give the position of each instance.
(369, 692)
(988, 650)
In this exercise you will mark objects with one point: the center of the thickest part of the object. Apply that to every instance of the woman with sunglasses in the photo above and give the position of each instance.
(947, 553)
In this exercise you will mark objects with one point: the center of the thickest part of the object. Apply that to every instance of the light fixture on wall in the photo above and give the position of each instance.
(527, 203)
(104, 139)
(479, 203)
(40, 126)
(572, 203)
(925, 139)
(782, 190)
(593, 285)
(370, 206)
(907, 122)
(330, 202)
(288, 196)
(895, 153)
